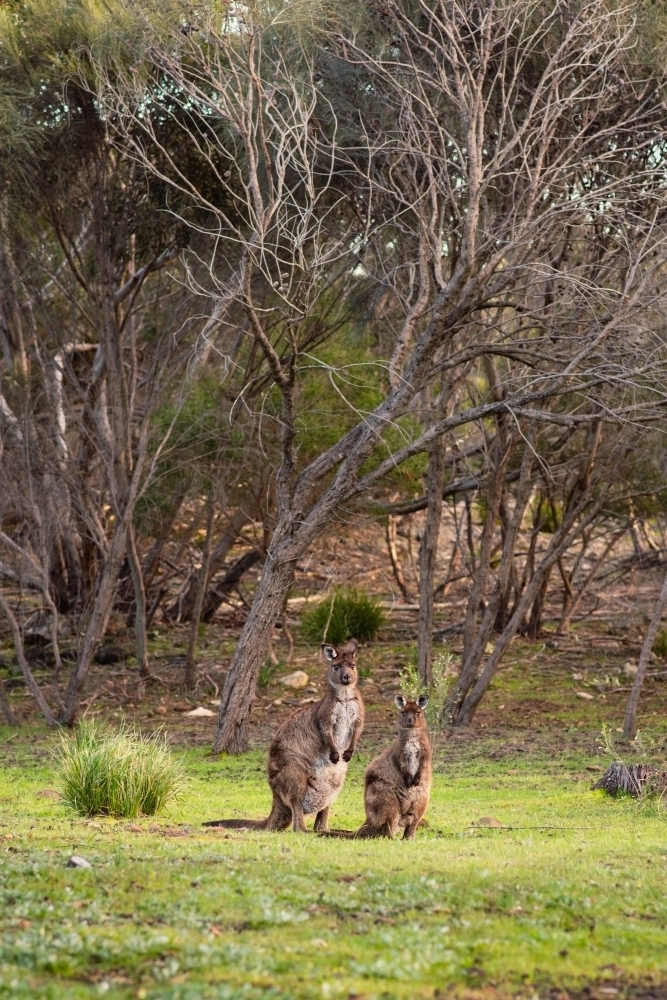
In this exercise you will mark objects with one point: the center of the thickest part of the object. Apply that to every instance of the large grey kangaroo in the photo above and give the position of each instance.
(309, 754)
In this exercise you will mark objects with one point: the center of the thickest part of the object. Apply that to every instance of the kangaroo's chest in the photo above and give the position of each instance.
(344, 717)
(411, 755)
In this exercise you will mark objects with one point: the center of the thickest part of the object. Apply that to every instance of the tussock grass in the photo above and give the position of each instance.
(347, 614)
(118, 772)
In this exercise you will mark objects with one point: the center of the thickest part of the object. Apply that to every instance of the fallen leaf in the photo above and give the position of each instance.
(584, 695)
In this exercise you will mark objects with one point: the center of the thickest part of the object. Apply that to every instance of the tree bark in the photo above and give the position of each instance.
(139, 603)
(6, 707)
(427, 557)
(190, 665)
(30, 681)
(238, 693)
(217, 593)
(630, 721)
(183, 607)
(559, 543)
(390, 534)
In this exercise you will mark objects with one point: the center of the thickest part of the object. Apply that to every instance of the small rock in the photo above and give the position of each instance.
(277, 702)
(134, 828)
(585, 696)
(215, 702)
(154, 828)
(630, 669)
(299, 679)
(76, 862)
(200, 713)
(161, 710)
(489, 821)
(577, 677)
(594, 767)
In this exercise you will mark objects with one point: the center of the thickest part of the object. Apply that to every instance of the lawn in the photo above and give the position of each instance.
(568, 891)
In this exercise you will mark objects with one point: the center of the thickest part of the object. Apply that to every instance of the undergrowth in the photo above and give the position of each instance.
(347, 614)
(118, 773)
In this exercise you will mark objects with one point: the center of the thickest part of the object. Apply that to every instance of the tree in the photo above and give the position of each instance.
(491, 171)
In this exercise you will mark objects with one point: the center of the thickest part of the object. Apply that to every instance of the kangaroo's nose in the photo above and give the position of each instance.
(345, 678)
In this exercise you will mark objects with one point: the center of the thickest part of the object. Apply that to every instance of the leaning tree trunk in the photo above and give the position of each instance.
(630, 720)
(239, 691)
(427, 556)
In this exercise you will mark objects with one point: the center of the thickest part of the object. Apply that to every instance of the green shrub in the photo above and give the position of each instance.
(118, 773)
(347, 614)
(412, 687)
(267, 672)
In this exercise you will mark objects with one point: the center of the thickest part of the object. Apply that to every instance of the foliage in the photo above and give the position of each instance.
(347, 614)
(118, 773)
(267, 672)
(412, 686)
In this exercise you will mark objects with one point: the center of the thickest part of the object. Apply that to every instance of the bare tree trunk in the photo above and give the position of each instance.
(390, 535)
(560, 541)
(441, 589)
(427, 556)
(472, 661)
(572, 600)
(183, 607)
(630, 721)
(30, 681)
(238, 693)
(190, 665)
(6, 707)
(96, 627)
(139, 603)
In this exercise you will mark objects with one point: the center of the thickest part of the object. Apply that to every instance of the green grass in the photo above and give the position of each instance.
(570, 891)
(117, 772)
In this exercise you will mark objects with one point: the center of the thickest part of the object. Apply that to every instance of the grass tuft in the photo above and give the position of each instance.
(118, 772)
(347, 614)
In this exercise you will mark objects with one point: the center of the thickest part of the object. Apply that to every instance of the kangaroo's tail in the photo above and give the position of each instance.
(340, 834)
(279, 818)
(369, 831)
(238, 824)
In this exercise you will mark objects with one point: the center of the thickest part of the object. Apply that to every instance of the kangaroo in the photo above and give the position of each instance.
(309, 754)
(397, 784)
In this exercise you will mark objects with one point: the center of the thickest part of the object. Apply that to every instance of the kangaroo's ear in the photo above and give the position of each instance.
(330, 653)
(351, 646)
(422, 700)
(400, 701)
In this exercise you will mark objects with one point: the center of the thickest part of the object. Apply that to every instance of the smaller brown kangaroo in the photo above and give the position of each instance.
(397, 784)
(309, 754)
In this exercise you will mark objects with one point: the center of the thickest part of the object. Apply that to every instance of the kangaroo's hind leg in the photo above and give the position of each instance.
(322, 820)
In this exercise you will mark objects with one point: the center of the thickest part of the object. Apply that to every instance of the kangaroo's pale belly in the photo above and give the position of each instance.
(327, 779)
(324, 784)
